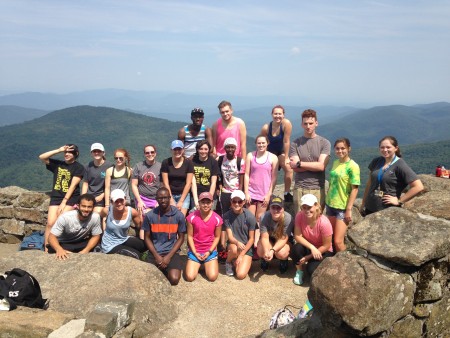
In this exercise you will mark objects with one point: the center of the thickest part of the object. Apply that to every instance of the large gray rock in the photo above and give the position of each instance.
(403, 237)
(77, 284)
(433, 203)
(432, 280)
(433, 183)
(353, 290)
(438, 325)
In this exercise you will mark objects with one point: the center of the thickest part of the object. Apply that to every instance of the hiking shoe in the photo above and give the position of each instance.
(283, 266)
(229, 269)
(288, 198)
(264, 265)
(298, 279)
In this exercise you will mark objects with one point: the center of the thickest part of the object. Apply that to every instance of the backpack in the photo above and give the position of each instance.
(18, 287)
(282, 317)
(220, 161)
(35, 241)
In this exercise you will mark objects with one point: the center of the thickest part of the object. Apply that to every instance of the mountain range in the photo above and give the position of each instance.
(21, 144)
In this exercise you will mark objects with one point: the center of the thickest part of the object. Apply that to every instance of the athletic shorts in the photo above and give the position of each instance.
(333, 212)
(211, 257)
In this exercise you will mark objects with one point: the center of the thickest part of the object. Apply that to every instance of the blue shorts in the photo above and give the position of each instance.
(192, 257)
(186, 202)
(333, 212)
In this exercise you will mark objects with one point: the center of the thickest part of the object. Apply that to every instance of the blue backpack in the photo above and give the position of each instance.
(33, 242)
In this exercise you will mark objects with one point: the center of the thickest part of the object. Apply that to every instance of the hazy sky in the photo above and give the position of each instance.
(325, 52)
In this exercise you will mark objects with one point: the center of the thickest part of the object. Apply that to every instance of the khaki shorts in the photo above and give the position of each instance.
(299, 192)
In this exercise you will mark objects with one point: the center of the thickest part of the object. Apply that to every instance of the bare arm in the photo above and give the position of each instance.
(84, 187)
(46, 156)
(243, 136)
(194, 191)
(351, 200)
(181, 134)
(247, 176)
(287, 128)
(265, 130)
(320, 165)
(366, 192)
(93, 241)
(108, 186)
(61, 253)
(214, 138)
(209, 138)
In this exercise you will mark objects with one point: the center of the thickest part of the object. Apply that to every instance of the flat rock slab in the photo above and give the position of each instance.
(433, 203)
(27, 322)
(354, 290)
(403, 237)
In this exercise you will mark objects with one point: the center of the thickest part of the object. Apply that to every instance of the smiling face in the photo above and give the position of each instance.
(150, 154)
(237, 205)
(119, 158)
(69, 157)
(205, 205)
(177, 153)
(203, 152)
(261, 144)
(310, 212)
(85, 209)
(277, 115)
(197, 119)
(387, 149)
(341, 150)
(276, 212)
(119, 204)
(226, 112)
(97, 154)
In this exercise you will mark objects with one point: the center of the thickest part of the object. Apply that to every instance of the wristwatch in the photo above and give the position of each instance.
(299, 164)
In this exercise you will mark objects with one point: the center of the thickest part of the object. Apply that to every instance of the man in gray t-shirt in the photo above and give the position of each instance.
(309, 156)
(76, 230)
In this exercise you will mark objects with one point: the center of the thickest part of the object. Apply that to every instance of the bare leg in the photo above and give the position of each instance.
(191, 270)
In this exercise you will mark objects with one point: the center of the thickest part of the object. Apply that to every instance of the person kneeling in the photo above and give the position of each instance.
(203, 229)
(76, 230)
(164, 228)
(240, 225)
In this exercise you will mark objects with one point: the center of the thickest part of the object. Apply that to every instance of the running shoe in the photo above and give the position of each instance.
(229, 269)
(288, 198)
(298, 279)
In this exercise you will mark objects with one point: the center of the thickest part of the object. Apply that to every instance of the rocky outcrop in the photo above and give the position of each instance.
(21, 213)
(395, 280)
(79, 284)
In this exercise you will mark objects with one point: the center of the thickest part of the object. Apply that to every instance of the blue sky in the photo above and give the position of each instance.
(323, 52)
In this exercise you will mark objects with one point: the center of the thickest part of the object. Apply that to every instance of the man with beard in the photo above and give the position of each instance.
(76, 231)
(164, 228)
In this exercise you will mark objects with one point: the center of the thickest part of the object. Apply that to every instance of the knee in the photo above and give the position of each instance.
(189, 277)
(213, 276)
(339, 245)
(174, 278)
(240, 275)
(283, 253)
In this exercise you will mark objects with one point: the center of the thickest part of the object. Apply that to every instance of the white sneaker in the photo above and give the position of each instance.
(229, 269)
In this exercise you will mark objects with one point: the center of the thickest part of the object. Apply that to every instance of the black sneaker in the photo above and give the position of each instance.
(288, 198)
(283, 266)
(264, 265)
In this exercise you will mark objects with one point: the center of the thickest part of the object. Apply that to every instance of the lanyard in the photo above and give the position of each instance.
(381, 171)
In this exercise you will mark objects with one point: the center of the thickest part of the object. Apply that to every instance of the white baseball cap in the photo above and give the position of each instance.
(117, 194)
(309, 199)
(97, 146)
(239, 194)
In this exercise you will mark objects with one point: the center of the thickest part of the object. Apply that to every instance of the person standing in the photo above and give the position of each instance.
(196, 131)
(229, 126)
(94, 177)
(279, 134)
(119, 176)
(308, 157)
(342, 192)
(389, 176)
(145, 180)
(67, 175)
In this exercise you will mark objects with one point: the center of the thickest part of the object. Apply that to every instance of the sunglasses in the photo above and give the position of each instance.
(237, 202)
(150, 153)
(118, 158)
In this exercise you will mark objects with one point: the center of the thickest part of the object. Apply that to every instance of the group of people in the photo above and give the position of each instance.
(219, 198)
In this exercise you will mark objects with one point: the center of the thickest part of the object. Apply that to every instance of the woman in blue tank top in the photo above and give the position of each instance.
(279, 134)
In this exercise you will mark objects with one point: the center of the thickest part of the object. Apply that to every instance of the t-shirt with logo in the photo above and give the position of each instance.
(63, 173)
(149, 178)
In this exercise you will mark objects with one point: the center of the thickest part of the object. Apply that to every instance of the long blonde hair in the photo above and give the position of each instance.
(279, 230)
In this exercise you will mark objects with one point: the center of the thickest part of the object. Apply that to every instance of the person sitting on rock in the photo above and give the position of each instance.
(115, 239)
(164, 228)
(76, 230)
(312, 234)
(276, 227)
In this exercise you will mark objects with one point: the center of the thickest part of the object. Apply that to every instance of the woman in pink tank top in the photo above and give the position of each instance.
(260, 177)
